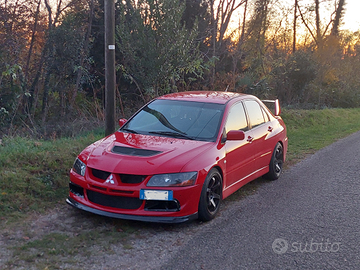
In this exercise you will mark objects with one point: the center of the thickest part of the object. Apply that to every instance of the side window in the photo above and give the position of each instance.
(266, 116)
(255, 113)
(236, 119)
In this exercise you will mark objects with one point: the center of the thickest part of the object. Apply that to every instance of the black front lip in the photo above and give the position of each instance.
(78, 205)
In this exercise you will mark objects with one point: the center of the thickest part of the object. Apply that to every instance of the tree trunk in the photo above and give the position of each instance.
(294, 30)
(317, 23)
(32, 40)
(338, 16)
(83, 52)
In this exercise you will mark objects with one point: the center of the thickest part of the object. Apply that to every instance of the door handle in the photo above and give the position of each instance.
(270, 128)
(250, 139)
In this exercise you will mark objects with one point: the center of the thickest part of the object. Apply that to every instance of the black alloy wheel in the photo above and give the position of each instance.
(211, 195)
(276, 163)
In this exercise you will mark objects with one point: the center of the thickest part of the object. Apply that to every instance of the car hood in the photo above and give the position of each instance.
(129, 153)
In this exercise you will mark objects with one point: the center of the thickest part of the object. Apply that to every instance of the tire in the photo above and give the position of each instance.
(211, 195)
(276, 163)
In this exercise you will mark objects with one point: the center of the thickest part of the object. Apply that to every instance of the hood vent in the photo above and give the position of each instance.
(134, 151)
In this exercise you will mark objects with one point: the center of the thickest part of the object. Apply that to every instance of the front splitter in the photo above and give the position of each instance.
(156, 219)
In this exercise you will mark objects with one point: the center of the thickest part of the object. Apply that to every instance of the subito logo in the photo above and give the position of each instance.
(280, 246)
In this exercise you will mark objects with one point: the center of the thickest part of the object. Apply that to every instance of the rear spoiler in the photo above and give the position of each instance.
(276, 103)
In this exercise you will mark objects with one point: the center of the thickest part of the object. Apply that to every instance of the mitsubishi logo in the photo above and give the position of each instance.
(110, 179)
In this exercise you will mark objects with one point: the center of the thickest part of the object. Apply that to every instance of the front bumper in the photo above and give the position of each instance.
(157, 219)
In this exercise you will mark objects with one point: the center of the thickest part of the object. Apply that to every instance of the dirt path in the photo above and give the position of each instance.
(66, 238)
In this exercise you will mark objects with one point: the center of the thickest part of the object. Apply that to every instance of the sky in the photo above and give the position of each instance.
(351, 19)
(352, 15)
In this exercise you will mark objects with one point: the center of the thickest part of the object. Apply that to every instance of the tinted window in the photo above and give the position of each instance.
(181, 119)
(255, 113)
(236, 118)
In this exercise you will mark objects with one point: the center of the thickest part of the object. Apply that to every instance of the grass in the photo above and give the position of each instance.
(35, 174)
(311, 130)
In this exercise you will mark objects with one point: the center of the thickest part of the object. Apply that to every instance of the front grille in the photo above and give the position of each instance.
(134, 151)
(113, 201)
(162, 206)
(131, 178)
(97, 187)
(100, 174)
(125, 178)
(77, 190)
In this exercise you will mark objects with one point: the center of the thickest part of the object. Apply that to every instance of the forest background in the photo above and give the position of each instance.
(52, 57)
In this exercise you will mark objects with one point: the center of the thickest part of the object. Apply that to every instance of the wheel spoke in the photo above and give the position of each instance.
(277, 167)
(216, 185)
(213, 194)
(212, 203)
(212, 183)
(216, 196)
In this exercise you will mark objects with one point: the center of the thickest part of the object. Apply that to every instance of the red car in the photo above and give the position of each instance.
(179, 156)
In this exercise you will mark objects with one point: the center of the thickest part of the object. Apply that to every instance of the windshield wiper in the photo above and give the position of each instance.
(129, 130)
(172, 134)
(163, 120)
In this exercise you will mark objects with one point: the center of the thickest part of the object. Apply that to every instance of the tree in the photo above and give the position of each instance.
(338, 16)
(156, 47)
(221, 13)
(322, 29)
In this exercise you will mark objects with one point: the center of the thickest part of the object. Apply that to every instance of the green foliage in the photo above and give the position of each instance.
(157, 48)
(293, 75)
(11, 93)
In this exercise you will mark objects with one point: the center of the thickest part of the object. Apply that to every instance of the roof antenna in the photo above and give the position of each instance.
(227, 87)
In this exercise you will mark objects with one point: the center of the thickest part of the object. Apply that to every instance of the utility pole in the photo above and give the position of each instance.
(110, 79)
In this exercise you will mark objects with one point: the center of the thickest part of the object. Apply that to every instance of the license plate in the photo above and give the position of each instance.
(161, 195)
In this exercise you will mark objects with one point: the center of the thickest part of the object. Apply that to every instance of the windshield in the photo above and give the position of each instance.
(178, 119)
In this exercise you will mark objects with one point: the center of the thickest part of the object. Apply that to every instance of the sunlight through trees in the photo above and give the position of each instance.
(52, 55)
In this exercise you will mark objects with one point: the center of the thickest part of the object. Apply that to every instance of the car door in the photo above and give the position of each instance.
(239, 153)
(262, 129)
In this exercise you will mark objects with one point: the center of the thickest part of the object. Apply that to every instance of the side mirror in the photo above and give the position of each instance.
(235, 135)
(122, 122)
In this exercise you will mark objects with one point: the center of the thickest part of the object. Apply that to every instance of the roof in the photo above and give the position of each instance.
(204, 96)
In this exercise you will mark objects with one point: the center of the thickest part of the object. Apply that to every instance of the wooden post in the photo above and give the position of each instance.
(110, 79)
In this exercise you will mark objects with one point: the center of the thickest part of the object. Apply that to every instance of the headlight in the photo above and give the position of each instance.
(79, 167)
(173, 180)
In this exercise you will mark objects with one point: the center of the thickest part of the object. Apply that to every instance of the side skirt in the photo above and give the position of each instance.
(238, 184)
